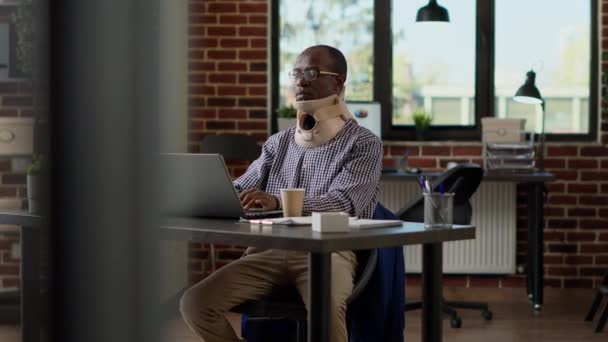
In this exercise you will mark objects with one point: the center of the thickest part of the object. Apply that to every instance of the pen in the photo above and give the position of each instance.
(441, 188)
(422, 182)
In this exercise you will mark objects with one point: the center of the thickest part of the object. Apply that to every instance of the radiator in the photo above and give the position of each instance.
(493, 249)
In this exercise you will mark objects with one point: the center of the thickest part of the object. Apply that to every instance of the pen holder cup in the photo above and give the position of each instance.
(438, 210)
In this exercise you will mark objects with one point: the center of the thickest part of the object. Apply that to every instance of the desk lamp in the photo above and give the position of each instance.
(528, 93)
(433, 12)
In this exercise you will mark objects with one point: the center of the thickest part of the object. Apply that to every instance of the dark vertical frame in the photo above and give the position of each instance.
(104, 152)
(274, 65)
(383, 63)
(484, 66)
(594, 99)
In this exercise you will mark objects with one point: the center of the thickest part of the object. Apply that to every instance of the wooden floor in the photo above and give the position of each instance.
(561, 319)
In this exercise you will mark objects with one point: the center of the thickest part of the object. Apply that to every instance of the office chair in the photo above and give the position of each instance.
(10, 310)
(462, 180)
(237, 147)
(285, 303)
(601, 291)
(232, 146)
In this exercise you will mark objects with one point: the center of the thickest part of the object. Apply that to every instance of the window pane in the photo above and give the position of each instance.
(434, 64)
(345, 24)
(561, 110)
(519, 110)
(584, 110)
(443, 109)
(558, 50)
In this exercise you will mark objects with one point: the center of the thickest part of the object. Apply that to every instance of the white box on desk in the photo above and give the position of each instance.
(333, 222)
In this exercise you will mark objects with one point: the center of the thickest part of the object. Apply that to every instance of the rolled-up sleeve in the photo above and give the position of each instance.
(257, 173)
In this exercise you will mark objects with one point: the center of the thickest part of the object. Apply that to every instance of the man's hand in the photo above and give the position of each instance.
(254, 198)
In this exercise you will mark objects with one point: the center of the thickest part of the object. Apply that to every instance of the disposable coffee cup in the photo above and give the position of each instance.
(438, 210)
(293, 201)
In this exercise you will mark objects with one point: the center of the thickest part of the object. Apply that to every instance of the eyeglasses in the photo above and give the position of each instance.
(308, 74)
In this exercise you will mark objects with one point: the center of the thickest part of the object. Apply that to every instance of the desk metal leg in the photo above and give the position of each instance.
(530, 259)
(319, 286)
(536, 242)
(30, 285)
(431, 292)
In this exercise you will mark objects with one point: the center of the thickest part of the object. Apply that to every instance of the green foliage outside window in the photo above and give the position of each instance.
(345, 24)
(287, 112)
(23, 19)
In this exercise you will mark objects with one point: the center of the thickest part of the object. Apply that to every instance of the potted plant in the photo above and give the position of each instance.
(34, 184)
(422, 122)
(286, 117)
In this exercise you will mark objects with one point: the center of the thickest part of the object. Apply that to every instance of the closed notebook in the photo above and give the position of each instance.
(353, 222)
(364, 224)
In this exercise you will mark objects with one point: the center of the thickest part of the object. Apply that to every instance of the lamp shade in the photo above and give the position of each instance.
(433, 12)
(528, 93)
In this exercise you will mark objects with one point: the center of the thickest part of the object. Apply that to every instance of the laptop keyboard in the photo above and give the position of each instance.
(254, 214)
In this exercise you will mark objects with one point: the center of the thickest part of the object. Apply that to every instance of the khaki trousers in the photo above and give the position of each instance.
(204, 305)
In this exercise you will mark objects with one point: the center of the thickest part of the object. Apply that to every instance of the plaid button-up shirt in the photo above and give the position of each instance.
(341, 175)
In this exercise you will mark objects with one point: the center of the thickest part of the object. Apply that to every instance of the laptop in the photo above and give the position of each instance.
(199, 185)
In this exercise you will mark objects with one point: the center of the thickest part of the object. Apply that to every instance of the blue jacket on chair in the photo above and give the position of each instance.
(376, 314)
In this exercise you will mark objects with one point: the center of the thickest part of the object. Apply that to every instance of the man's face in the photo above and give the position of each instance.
(322, 86)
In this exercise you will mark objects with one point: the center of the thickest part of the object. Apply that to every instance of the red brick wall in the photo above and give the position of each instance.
(9, 267)
(227, 62)
(227, 92)
(15, 101)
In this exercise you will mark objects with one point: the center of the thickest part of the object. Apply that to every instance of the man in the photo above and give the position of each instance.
(337, 162)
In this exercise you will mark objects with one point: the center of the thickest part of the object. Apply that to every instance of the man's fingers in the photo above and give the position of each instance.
(247, 197)
(264, 203)
(246, 192)
(248, 201)
(259, 203)
(252, 198)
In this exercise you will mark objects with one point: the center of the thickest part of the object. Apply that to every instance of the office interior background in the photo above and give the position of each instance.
(221, 69)
(228, 91)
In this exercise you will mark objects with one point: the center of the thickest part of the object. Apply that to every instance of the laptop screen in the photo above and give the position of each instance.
(199, 185)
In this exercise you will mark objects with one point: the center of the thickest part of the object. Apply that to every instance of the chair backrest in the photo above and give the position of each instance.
(232, 146)
(463, 180)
